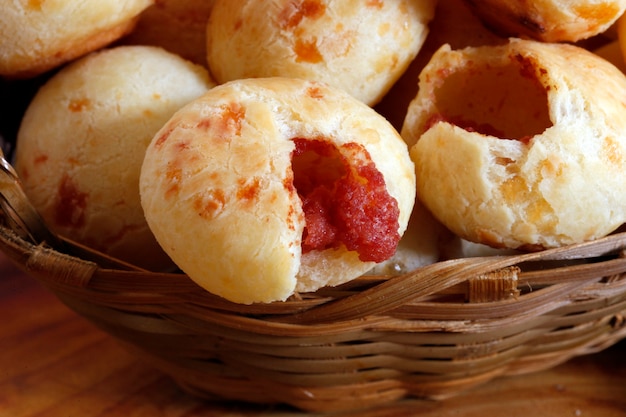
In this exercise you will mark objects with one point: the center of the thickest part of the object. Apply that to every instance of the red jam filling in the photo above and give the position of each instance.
(345, 200)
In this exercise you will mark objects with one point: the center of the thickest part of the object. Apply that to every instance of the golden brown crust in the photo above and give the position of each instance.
(218, 188)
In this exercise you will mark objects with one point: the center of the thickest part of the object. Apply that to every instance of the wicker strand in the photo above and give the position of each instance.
(494, 286)
(432, 333)
(64, 270)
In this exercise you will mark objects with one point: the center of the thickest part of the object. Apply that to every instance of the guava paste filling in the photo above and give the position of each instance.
(344, 199)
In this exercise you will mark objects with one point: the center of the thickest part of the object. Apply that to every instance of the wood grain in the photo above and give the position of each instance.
(54, 363)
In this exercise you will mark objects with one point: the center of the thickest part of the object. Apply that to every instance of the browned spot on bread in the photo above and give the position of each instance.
(78, 105)
(295, 11)
(601, 13)
(314, 92)
(378, 4)
(182, 146)
(40, 159)
(209, 204)
(173, 175)
(293, 215)
(69, 207)
(306, 51)
(612, 151)
(227, 122)
(204, 124)
(35, 4)
(532, 71)
(181, 156)
(162, 138)
(248, 189)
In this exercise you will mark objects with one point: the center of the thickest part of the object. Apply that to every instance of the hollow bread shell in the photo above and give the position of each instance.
(562, 185)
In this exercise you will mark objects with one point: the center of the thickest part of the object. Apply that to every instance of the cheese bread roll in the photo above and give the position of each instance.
(521, 146)
(549, 20)
(82, 141)
(36, 36)
(360, 46)
(267, 186)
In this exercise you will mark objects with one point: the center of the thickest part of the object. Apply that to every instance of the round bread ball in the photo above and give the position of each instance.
(362, 46)
(36, 36)
(521, 146)
(268, 186)
(549, 20)
(82, 140)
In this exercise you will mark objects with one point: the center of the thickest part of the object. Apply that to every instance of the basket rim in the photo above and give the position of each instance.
(561, 269)
(378, 338)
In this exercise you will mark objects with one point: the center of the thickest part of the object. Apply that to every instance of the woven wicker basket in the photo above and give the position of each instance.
(431, 333)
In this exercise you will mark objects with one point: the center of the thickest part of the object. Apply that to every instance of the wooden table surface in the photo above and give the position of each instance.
(54, 363)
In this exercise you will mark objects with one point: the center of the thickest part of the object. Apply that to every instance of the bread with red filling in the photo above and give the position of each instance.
(268, 186)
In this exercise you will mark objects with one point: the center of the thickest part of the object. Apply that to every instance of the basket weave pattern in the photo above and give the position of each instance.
(431, 333)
